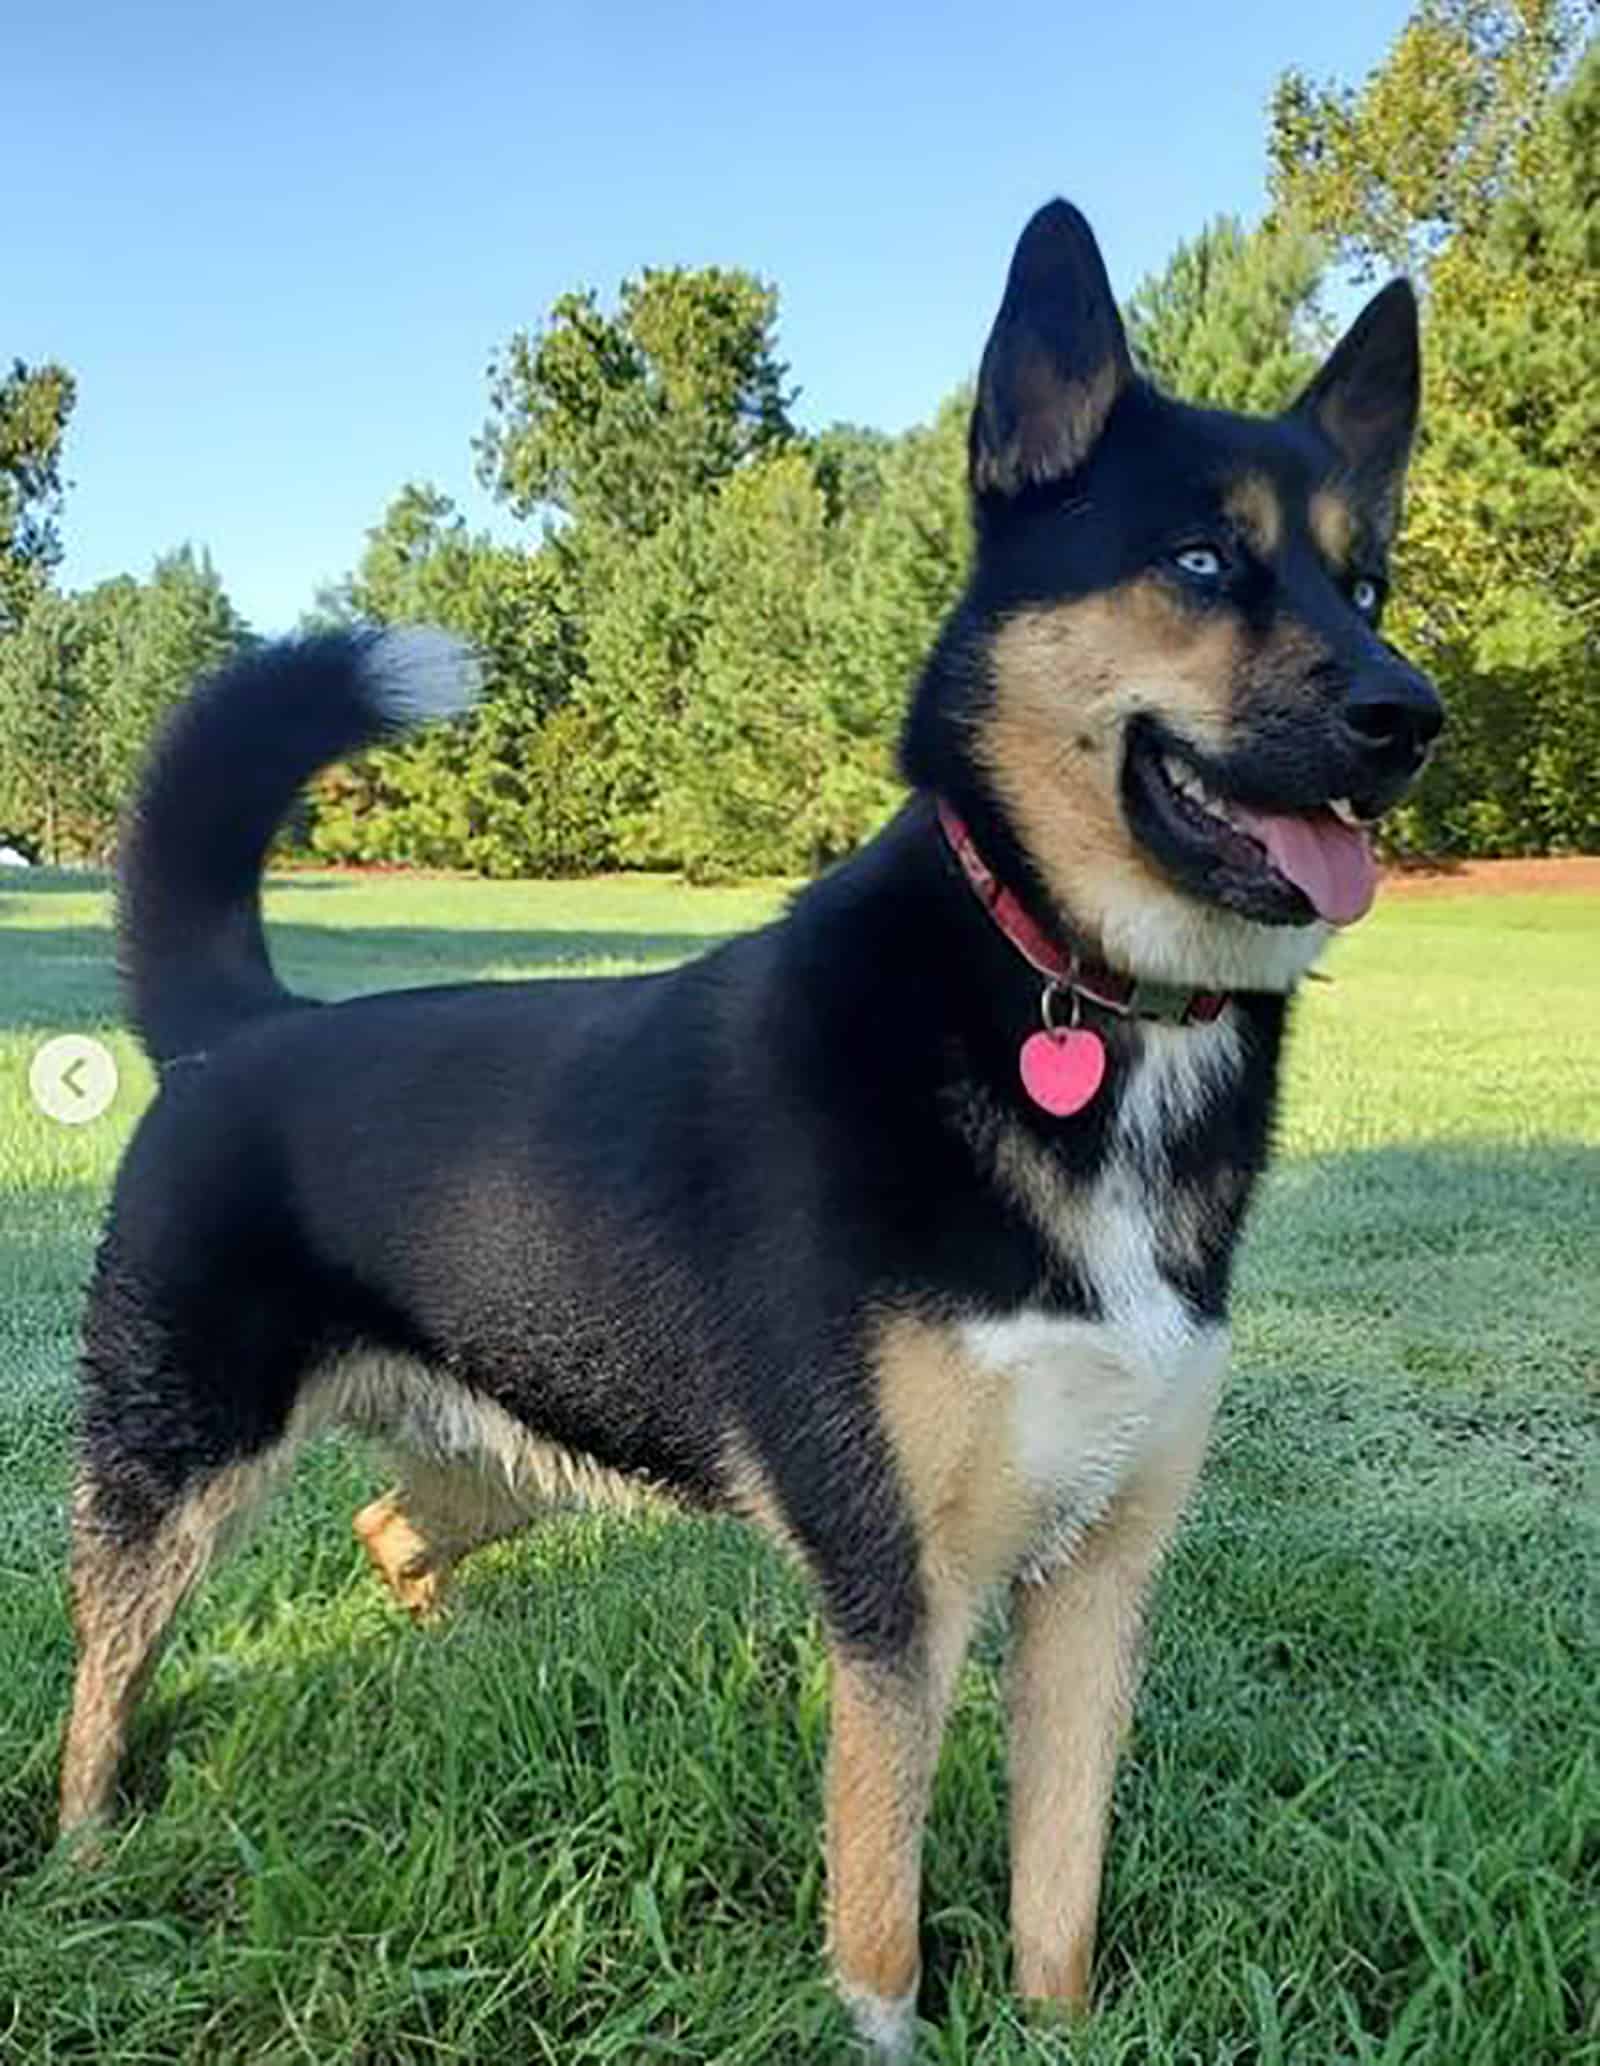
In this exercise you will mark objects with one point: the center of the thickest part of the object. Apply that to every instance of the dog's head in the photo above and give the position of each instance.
(1166, 685)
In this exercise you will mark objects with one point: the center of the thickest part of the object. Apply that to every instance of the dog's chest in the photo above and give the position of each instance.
(1085, 1399)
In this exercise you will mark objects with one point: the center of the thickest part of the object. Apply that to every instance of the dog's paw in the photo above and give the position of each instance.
(401, 1559)
(885, 2024)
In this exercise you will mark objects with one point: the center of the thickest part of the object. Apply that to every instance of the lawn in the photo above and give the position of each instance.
(1361, 1817)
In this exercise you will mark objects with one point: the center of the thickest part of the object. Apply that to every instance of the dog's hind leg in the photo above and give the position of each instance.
(437, 1514)
(191, 1370)
(126, 1586)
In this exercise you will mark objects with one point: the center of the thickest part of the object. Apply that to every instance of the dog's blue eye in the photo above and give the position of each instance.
(1364, 594)
(1200, 562)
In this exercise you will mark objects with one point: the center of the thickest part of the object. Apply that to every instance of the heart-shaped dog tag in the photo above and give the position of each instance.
(1062, 1068)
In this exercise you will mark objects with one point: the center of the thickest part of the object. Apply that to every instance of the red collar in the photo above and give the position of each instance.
(1068, 969)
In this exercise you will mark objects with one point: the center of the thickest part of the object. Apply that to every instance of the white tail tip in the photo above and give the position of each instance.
(415, 673)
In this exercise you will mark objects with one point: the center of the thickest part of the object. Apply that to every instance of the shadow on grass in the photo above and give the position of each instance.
(67, 977)
(100, 881)
(52, 882)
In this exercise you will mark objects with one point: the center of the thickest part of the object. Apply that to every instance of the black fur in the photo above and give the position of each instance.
(222, 777)
(639, 1214)
(669, 1223)
(657, 1219)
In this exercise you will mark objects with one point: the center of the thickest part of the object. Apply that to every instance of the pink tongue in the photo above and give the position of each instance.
(1321, 855)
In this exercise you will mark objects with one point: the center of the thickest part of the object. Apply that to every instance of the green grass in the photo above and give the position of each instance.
(1359, 1821)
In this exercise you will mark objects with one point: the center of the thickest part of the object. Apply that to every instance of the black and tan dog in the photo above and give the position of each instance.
(904, 1226)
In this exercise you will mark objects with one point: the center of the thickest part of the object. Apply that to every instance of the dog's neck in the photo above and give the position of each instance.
(892, 957)
(1063, 963)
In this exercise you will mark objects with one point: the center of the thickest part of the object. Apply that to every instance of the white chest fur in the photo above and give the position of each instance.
(1086, 1399)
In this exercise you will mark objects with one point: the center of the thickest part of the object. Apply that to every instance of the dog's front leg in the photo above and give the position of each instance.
(886, 1724)
(1073, 1675)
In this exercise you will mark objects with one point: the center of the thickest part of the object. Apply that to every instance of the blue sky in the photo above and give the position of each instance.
(278, 244)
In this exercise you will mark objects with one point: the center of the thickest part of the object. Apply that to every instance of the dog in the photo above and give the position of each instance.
(902, 1227)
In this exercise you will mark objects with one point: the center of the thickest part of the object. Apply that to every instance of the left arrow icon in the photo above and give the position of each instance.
(72, 1078)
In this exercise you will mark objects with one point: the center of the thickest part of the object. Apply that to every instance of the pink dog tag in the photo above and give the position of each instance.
(1063, 1068)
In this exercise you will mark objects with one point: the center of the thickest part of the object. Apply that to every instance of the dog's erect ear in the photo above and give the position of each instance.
(1055, 362)
(1365, 399)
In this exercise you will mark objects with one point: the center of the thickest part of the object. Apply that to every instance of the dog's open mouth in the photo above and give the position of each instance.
(1277, 867)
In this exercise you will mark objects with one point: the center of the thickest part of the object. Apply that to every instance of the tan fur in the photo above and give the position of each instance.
(948, 1418)
(1060, 1211)
(1072, 1679)
(1057, 427)
(416, 1534)
(403, 1557)
(1067, 679)
(1252, 503)
(1188, 1228)
(883, 1747)
(1031, 1179)
(1333, 526)
(471, 1474)
(878, 1781)
(427, 1415)
(123, 1602)
(750, 1493)
(1281, 669)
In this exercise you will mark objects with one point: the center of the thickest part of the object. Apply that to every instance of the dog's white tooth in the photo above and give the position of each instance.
(1345, 811)
(1187, 783)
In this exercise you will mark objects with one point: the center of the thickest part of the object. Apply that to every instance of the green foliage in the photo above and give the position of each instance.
(510, 790)
(1232, 320)
(619, 418)
(749, 671)
(1499, 562)
(35, 403)
(48, 792)
(899, 572)
(1425, 147)
(706, 665)
(145, 645)
(84, 682)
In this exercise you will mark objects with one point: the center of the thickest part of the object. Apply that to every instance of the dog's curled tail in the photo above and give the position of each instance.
(221, 777)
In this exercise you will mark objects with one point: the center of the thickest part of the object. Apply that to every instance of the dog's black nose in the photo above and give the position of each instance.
(1393, 715)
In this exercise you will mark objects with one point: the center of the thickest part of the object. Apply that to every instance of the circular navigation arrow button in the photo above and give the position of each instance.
(73, 1078)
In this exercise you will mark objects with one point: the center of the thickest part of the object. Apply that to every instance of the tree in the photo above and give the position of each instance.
(848, 461)
(85, 680)
(1425, 147)
(49, 794)
(747, 676)
(1232, 319)
(1472, 153)
(35, 403)
(1501, 553)
(616, 419)
(145, 651)
(901, 564)
(511, 790)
